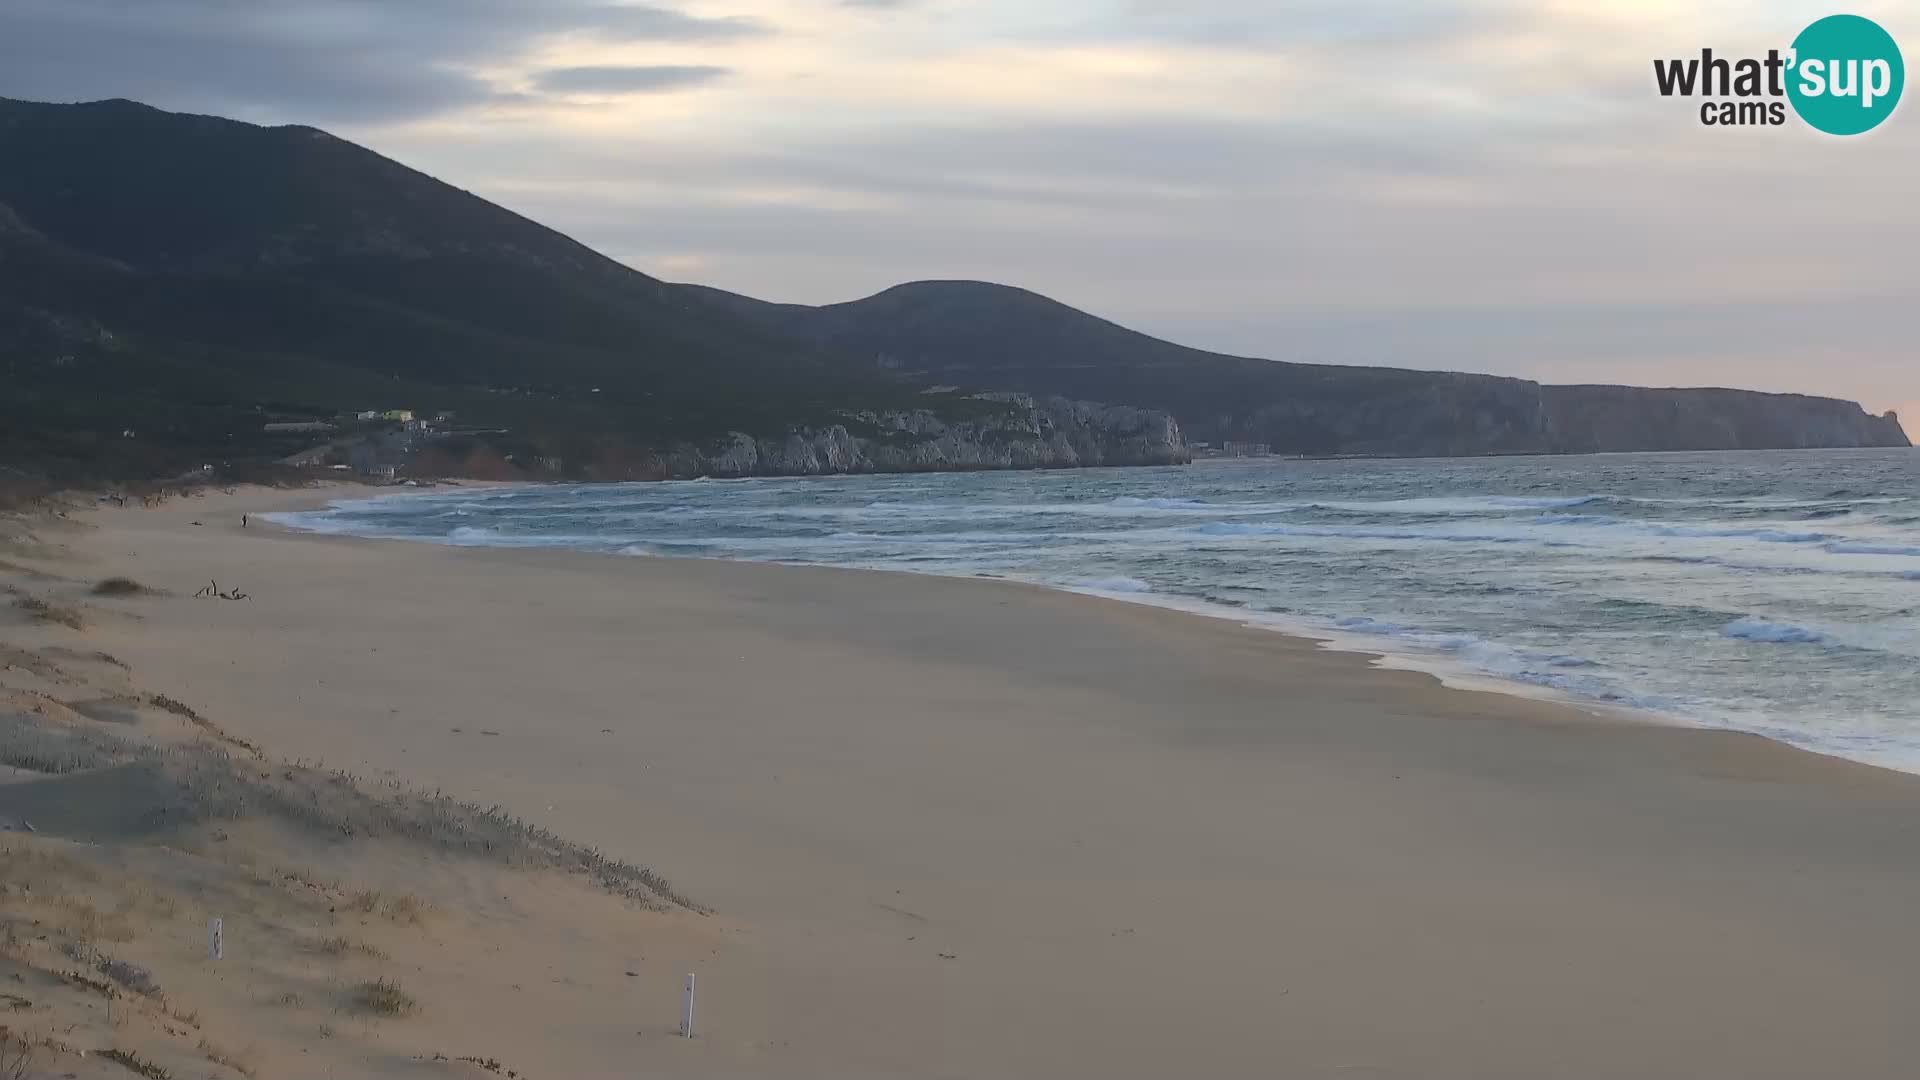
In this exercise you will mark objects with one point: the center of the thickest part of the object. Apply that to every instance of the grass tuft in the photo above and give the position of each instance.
(385, 997)
(133, 1062)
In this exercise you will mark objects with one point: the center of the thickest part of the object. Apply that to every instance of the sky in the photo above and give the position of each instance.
(1464, 184)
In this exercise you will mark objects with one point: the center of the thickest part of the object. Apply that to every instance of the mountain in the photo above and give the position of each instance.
(170, 284)
(978, 334)
(190, 279)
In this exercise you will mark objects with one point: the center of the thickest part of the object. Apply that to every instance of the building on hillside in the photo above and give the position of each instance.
(367, 414)
(402, 415)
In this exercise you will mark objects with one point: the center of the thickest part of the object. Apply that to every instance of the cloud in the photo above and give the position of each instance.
(645, 22)
(338, 62)
(1292, 23)
(650, 79)
(1481, 184)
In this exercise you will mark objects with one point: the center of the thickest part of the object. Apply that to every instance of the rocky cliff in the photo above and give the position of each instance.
(1012, 431)
(1580, 419)
(1442, 414)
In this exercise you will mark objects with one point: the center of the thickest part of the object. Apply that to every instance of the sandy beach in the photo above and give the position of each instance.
(959, 828)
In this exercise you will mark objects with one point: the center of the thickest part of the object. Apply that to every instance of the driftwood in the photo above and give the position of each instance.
(211, 591)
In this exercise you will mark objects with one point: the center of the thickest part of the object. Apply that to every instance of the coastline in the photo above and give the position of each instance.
(976, 827)
(1447, 671)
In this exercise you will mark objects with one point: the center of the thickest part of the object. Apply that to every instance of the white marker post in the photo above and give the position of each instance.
(686, 1009)
(216, 944)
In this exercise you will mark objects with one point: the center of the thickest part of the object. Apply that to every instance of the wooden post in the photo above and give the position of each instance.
(216, 945)
(686, 1009)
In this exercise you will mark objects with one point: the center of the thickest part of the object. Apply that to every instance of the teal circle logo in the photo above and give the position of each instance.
(1846, 75)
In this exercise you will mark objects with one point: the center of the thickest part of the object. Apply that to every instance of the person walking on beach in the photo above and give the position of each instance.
(243, 521)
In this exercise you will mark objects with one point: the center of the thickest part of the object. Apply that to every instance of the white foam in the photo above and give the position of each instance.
(1111, 584)
(1764, 535)
(1856, 548)
(1232, 528)
(1362, 625)
(1164, 504)
(1774, 633)
(1474, 504)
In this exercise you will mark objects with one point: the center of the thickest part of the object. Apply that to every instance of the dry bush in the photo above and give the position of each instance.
(240, 1063)
(186, 712)
(384, 997)
(119, 586)
(46, 611)
(30, 862)
(340, 946)
(406, 909)
(87, 982)
(78, 918)
(16, 1055)
(140, 897)
(130, 975)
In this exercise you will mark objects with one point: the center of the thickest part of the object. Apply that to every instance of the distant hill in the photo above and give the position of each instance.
(189, 278)
(979, 334)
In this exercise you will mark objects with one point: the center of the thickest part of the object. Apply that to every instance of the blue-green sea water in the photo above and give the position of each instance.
(1775, 592)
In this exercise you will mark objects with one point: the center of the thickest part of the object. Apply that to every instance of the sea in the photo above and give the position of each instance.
(1770, 592)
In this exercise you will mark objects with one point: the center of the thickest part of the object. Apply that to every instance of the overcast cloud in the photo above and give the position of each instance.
(1479, 185)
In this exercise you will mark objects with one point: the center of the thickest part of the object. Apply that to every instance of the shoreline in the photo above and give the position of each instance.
(1450, 674)
(955, 827)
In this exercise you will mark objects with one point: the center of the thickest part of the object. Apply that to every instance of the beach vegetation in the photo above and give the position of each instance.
(385, 997)
(119, 586)
(341, 946)
(136, 1064)
(406, 909)
(47, 611)
(17, 1054)
(239, 1063)
(205, 783)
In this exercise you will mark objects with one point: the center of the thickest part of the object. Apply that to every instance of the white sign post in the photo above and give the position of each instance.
(216, 946)
(686, 1009)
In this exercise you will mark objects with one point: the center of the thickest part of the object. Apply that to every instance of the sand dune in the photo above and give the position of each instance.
(965, 828)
